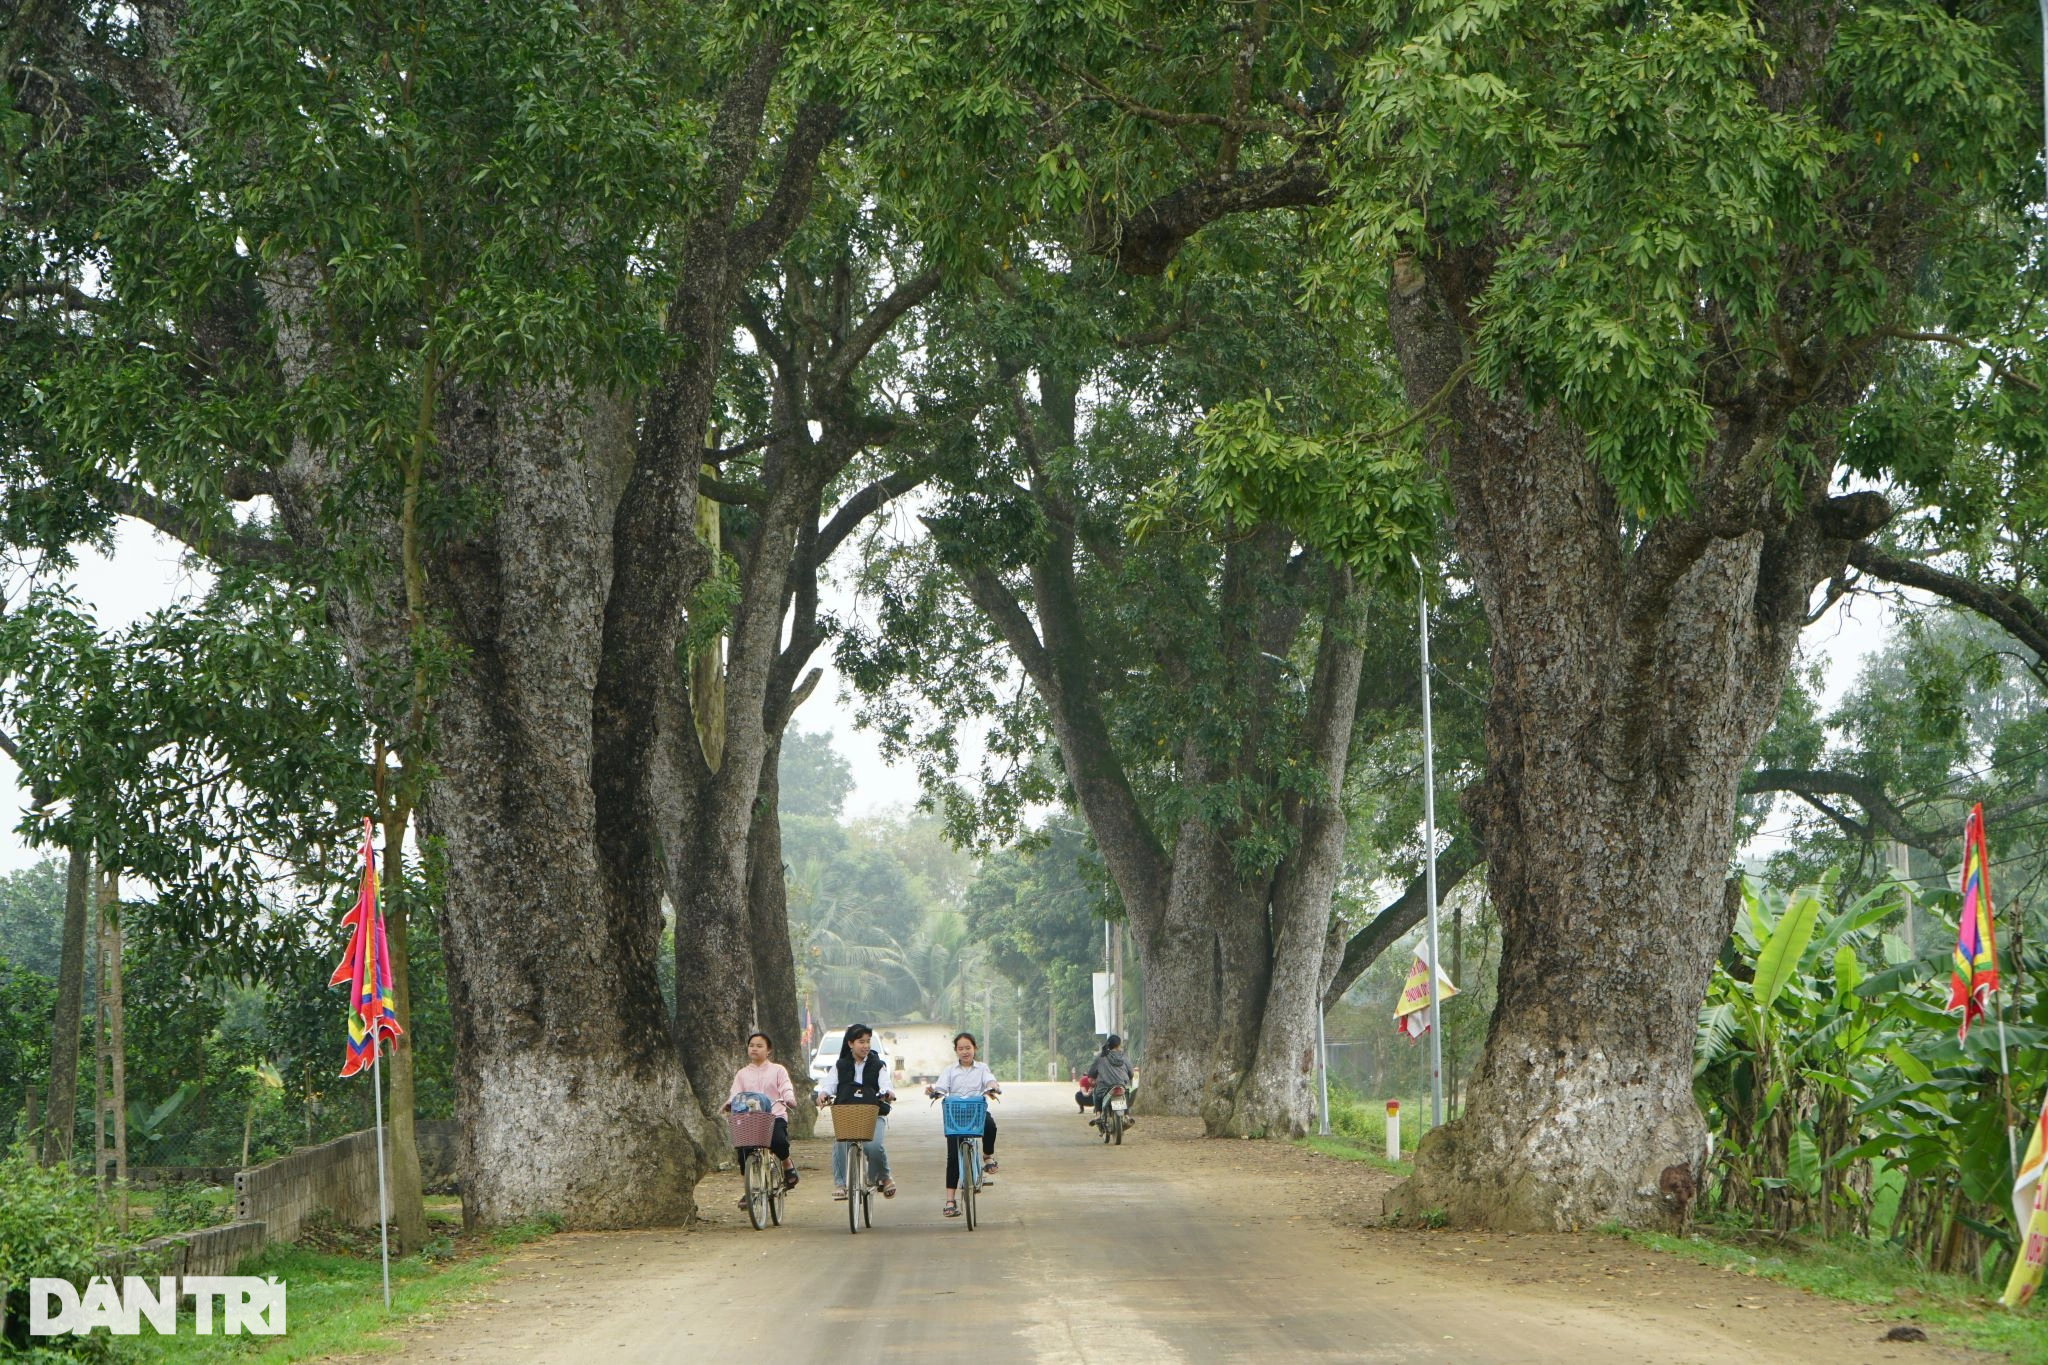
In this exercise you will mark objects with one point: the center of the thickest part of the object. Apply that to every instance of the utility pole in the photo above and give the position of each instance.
(110, 1065)
(1436, 1031)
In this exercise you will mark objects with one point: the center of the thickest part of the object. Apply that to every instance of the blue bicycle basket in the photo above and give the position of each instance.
(965, 1115)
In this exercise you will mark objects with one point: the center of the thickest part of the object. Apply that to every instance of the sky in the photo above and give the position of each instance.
(147, 572)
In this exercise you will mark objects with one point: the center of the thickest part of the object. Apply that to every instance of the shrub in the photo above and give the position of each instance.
(51, 1227)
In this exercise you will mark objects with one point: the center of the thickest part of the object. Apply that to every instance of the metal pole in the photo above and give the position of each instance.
(1017, 1005)
(1436, 1033)
(383, 1234)
(1322, 1076)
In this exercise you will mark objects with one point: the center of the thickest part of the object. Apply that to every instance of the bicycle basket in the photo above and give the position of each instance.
(751, 1130)
(854, 1121)
(965, 1115)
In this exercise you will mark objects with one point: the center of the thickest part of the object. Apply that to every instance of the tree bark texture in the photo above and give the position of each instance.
(1632, 680)
(60, 1128)
(776, 1010)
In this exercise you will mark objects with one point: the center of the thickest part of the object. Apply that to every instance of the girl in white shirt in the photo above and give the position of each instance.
(965, 1078)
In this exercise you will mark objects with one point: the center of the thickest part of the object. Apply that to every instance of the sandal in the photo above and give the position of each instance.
(888, 1189)
(789, 1177)
(952, 1210)
(990, 1166)
(839, 1192)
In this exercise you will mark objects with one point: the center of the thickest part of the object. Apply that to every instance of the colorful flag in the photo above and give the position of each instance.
(2030, 1215)
(366, 970)
(1976, 956)
(1411, 1014)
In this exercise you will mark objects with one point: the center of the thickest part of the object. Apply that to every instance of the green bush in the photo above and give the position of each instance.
(51, 1227)
(1365, 1121)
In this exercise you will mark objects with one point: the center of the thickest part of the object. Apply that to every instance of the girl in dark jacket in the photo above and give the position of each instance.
(861, 1074)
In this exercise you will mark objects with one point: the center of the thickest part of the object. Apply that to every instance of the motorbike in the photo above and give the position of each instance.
(1116, 1115)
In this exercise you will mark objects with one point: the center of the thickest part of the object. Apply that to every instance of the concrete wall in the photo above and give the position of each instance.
(210, 1251)
(340, 1175)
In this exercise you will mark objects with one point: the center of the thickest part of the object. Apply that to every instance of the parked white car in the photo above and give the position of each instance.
(828, 1053)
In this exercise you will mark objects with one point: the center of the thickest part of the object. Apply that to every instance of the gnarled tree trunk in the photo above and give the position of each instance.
(1633, 677)
(567, 1084)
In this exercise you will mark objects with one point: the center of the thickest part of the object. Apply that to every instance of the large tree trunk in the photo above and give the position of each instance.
(1632, 680)
(715, 952)
(60, 1127)
(776, 1010)
(1278, 1095)
(568, 1090)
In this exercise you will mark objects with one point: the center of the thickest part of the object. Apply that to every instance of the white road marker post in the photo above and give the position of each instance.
(1393, 1130)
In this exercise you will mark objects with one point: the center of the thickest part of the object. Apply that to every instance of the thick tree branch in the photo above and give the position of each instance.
(2007, 607)
(232, 547)
(67, 294)
(840, 363)
(786, 207)
(1146, 242)
(728, 492)
(865, 504)
(1406, 911)
(1809, 785)
(1984, 354)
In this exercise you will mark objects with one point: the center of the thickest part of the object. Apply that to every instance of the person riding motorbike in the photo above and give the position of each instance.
(1109, 1070)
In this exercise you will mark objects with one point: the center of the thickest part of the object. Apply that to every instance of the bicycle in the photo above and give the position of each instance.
(965, 1116)
(853, 1123)
(767, 1188)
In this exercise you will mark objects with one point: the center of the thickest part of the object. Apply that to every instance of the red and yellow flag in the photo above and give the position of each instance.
(366, 970)
(1976, 957)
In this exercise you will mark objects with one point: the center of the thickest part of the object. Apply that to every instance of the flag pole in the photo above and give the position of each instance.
(1436, 1033)
(383, 1202)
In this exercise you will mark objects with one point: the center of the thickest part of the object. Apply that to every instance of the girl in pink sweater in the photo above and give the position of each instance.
(761, 1079)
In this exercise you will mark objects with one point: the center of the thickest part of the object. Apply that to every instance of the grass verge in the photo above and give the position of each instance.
(335, 1303)
(1963, 1310)
(1348, 1149)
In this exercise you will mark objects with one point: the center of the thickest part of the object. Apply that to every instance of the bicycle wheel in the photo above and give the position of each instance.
(970, 1181)
(867, 1207)
(778, 1193)
(856, 1182)
(757, 1188)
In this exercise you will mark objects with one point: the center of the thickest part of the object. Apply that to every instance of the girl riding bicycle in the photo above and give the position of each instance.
(969, 1078)
(760, 1076)
(861, 1076)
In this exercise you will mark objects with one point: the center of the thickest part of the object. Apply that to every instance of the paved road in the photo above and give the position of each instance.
(1156, 1251)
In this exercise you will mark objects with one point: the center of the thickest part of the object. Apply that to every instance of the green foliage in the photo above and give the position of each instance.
(52, 1225)
(1839, 1092)
(32, 916)
(1663, 191)
(814, 780)
(1038, 910)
